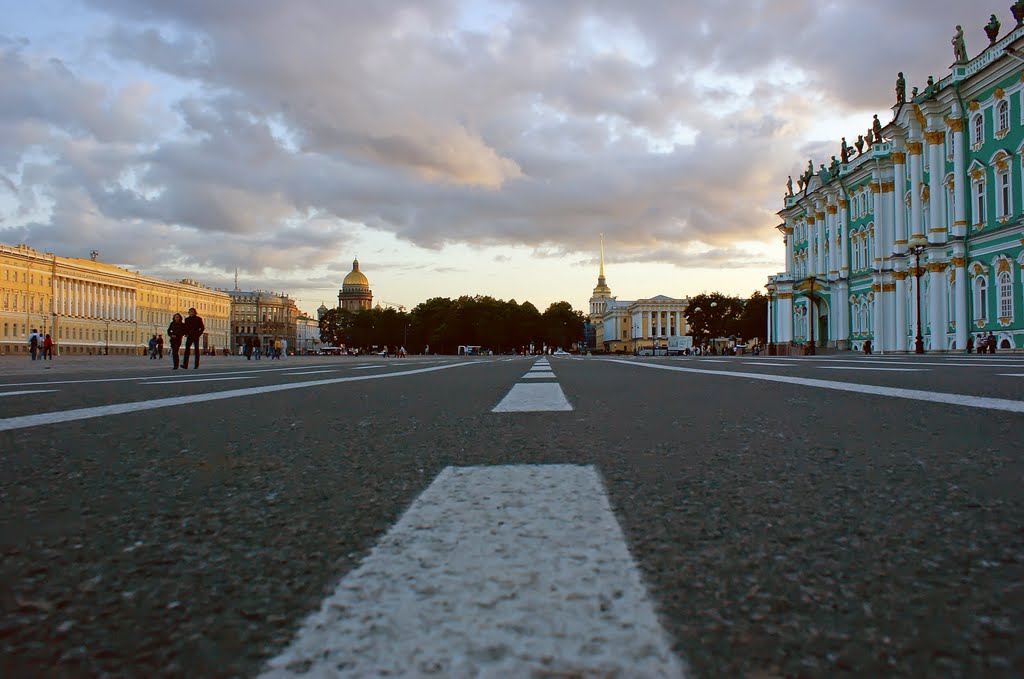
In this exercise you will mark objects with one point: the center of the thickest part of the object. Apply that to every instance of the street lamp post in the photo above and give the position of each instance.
(106, 338)
(916, 246)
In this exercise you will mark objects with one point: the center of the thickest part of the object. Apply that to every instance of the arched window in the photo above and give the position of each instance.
(1004, 289)
(978, 128)
(1004, 115)
(979, 202)
(1004, 202)
(980, 298)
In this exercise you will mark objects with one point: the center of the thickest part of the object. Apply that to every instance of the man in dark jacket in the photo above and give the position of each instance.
(194, 328)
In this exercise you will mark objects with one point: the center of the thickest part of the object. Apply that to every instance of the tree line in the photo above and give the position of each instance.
(441, 325)
(713, 315)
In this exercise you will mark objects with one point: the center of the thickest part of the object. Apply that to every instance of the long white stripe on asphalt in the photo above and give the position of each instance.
(27, 391)
(312, 372)
(539, 376)
(136, 406)
(967, 400)
(159, 376)
(505, 571)
(770, 365)
(172, 380)
(533, 398)
(1011, 374)
(869, 367)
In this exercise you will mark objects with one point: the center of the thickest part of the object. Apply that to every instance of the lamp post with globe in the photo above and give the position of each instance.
(915, 247)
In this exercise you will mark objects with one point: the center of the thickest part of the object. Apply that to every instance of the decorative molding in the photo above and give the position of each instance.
(935, 138)
(876, 287)
(958, 262)
(899, 158)
(888, 186)
(955, 125)
(999, 93)
(873, 187)
(914, 148)
(784, 295)
(1003, 266)
(888, 287)
(935, 267)
(900, 275)
(830, 209)
(819, 216)
(921, 120)
(973, 105)
(843, 203)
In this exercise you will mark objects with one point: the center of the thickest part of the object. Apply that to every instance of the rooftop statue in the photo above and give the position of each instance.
(901, 88)
(789, 186)
(1018, 11)
(860, 139)
(833, 168)
(844, 151)
(992, 29)
(913, 93)
(800, 182)
(869, 138)
(959, 48)
(876, 126)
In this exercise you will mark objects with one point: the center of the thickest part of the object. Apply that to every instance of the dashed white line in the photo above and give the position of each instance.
(539, 376)
(504, 571)
(312, 372)
(532, 398)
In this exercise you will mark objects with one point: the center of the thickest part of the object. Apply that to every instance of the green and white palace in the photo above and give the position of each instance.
(920, 219)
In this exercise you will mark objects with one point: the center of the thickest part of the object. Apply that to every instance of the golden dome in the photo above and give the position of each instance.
(355, 277)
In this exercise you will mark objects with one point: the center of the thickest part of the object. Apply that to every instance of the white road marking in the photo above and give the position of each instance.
(1000, 374)
(312, 372)
(967, 400)
(135, 406)
(367, 367)
(191, 380)
(770, 365)
(533, 398)
(504, 571)
(158, 376)
(539, 376)
(540, 367)
(854, 367)
(27, 391)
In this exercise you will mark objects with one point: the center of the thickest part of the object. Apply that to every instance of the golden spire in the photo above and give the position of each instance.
(601, 273)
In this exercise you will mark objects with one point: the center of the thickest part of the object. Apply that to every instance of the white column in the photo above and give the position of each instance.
(899, 212)
(785, 316)
(937, 306)
(819, 229)
(914, 282)
(658, 315)
(916, 226)
(876, 314)
(959, 190)
(901, 310)
(960, 291)
(768, 330)
(936, 190)
(844, 237)
(831, 229)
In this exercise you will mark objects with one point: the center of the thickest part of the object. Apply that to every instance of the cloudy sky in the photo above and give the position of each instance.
(454, 147)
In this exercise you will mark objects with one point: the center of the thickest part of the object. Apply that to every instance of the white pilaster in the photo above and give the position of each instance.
(914, 150)
(959, 189)
(936, 191)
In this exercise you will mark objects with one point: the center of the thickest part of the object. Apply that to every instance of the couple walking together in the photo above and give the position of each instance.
(191, 330)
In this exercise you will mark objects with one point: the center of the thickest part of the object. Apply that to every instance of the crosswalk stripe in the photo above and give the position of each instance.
(531, 398)
(539, 376)
(504, 571)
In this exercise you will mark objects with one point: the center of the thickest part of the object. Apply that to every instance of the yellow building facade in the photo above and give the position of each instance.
(90, 307)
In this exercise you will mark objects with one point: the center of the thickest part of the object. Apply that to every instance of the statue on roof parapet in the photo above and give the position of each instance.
(789, 186)
(833, 168)
(1018, 11)
(844, 151)
(901, 88)
(959, 47)
(860, 142)
(876, 127)
(992, 29)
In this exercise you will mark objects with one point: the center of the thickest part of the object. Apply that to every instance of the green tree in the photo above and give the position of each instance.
(753, 322)
(711, 315)
(563, 326)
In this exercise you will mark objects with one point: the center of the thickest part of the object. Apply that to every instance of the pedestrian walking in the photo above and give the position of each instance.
(247, 349)
(277, 348)
(34, 341)
(152, 348)
(160, 347)
(257, 348)
(992, 342)
(175, 333)
(194, 329)
(48, 347)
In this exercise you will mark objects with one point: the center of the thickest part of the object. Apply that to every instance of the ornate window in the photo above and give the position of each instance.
(980, 298)
(979, 201)
(1004, 199)
(1003, 114)
(977, 130)
(1004, 288)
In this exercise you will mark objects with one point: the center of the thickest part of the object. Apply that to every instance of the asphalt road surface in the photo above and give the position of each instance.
(837, 516)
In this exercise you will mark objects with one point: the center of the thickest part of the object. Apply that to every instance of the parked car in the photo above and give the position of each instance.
(561, 353)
